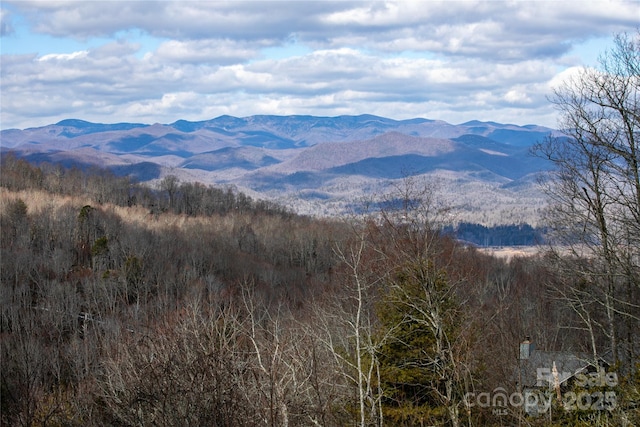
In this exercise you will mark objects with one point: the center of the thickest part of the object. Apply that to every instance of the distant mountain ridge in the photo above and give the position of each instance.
(318, 164)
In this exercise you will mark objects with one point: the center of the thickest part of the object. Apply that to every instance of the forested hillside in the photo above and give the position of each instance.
(315, 165)
(193, 305)
(499, 235)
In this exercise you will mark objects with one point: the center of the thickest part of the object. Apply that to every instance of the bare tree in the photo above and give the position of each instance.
(348, 328)
(185, 372)
(595, 188)
(170, 184)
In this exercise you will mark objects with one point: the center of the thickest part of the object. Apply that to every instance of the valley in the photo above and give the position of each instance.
(321, 166)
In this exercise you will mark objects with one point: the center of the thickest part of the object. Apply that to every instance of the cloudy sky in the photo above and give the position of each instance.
(160, 61)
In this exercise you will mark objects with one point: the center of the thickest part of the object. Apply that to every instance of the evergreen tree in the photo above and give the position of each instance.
(421, 378)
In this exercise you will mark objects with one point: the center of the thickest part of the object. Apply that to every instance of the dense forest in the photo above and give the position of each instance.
(188, 304)
(497, 235)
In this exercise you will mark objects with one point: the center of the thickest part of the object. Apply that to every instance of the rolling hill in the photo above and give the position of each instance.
(316, 165)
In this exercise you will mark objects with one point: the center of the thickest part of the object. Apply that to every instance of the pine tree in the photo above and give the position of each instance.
(421, 380)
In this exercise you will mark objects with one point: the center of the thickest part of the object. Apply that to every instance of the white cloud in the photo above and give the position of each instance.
(517, 96)
(563, 77)
(464, 27)
(63, 56)
(206, 51)
(457, 61)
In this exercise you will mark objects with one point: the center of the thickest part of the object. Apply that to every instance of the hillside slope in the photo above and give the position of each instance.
(317, 165)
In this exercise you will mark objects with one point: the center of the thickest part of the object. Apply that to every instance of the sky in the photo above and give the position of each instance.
(161, 61)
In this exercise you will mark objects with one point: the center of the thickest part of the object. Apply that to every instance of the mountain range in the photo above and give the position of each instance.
(315, 165)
